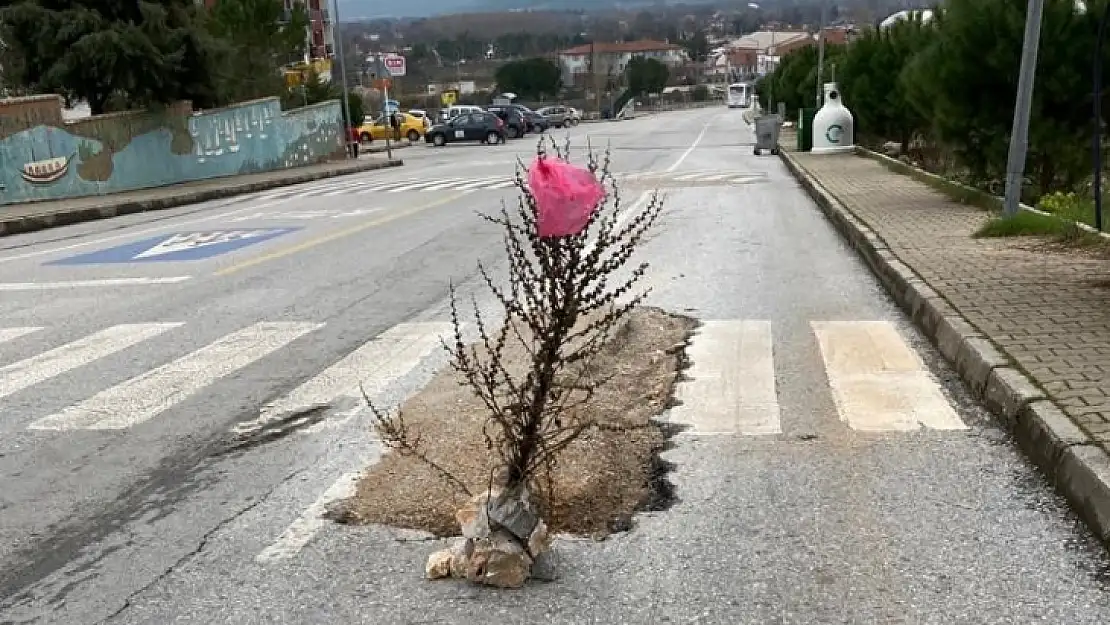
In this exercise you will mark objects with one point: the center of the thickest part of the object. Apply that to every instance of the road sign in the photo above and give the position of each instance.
(181, 246)
(395, 64)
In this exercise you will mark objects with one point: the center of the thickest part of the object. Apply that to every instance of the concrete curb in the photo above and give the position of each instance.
(1076, 465)
(109, 209)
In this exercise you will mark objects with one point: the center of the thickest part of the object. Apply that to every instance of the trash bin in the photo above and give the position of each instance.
(805, 129)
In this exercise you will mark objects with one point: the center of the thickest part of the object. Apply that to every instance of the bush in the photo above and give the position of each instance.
(952, 82)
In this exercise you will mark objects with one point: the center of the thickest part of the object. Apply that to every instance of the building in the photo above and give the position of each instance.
(759, 53)
(612, 58)
(319, 37)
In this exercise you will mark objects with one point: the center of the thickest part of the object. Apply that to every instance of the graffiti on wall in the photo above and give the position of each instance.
(43, 157)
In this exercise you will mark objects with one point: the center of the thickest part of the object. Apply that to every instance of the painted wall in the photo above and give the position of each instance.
(43, 157)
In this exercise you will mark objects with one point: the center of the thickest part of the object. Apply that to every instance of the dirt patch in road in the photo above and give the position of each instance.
(601, 479)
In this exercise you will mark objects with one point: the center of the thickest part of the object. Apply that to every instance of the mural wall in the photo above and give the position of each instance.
(43, 157)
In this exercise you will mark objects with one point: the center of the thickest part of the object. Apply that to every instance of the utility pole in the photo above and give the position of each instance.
(1019, 135)
(338, 39)
(821, 51)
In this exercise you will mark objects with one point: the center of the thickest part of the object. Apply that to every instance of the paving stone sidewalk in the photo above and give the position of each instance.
(31, 216)
(1048, 309)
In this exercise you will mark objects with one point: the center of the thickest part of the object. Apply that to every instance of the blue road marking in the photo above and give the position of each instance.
(180, 246)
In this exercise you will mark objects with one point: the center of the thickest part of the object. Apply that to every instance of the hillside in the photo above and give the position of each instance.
(370, 9)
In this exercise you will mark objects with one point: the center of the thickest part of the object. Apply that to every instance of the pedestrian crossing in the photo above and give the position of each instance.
(698, 177)
(875, 379)
(365, 186)
(375, 185)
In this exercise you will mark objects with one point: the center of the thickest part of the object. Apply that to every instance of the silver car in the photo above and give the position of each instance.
(560, 116)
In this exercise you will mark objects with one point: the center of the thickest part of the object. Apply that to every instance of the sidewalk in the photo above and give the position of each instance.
(1028, 330)
(32, 216)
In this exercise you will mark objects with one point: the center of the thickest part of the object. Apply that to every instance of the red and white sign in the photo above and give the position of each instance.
(395, 64)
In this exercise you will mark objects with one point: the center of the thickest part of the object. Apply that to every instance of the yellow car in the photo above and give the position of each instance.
(412, 128)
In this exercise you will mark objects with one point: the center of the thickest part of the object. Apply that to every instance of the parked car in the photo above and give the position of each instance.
(445, 115)
(560, 116)
(535, 121)
(412, 128)
(482, 127)
(516, 126)
(422, 116)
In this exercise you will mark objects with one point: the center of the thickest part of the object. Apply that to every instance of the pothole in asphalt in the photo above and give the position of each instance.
(601, 480)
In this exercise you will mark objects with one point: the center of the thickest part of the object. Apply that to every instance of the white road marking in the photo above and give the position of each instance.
(878, 382)
(145, 396)
(478, 184)
(301, 531)
(444, 184)
(732, 387)
(11, 334)
(693, 146)
(345, 188)
(412, 186)
(105, 282)
(26, 373)
(686, 177)
(375, 365)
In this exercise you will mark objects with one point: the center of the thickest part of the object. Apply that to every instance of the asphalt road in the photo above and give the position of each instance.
(835, 471)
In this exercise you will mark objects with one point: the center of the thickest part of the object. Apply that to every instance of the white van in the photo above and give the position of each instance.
(458, 109)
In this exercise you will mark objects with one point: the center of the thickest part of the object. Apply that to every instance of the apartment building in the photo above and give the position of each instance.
(612, 58)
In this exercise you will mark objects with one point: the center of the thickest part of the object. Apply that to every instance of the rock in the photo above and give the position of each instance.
(499, 560)
(544, 568)
(439, 564)
(460, 563)
(513, 511)
(540, 540)
(892, 148)
(472, 518)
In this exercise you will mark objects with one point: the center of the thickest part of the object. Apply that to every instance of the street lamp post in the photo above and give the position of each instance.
(821, 51)
(1096, 120)
(338, 39)
(1019, 135)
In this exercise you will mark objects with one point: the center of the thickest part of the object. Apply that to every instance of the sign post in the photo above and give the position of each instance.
(395, 65)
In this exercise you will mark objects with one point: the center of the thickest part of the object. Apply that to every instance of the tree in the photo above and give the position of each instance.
(646, 75)
(137, 53)
(794, 81)
(354, 105)
(530, 78)
(258, 38)
(964, 82)
(870, 75)
(563, 303)
(697, 46)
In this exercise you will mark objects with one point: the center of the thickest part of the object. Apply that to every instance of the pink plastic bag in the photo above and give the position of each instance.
(566, 196)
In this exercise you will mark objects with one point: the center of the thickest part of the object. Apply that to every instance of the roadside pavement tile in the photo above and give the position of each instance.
(1049, 310)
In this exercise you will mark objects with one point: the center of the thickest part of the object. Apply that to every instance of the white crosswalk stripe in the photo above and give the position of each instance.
(364, 186)
(696, 176)
(11, 334)
(876, 380)
(732, 386)
(145, 396)
(26, 373)
(370, 369)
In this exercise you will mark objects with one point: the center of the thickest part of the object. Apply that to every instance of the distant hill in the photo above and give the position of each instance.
(350, 10)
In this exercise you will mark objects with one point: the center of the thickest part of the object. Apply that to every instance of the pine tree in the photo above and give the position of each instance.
(130, 53)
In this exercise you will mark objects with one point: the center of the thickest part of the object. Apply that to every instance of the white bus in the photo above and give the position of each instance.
(740, 95)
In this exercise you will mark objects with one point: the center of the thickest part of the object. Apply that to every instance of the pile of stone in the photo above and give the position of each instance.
(504, 542)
